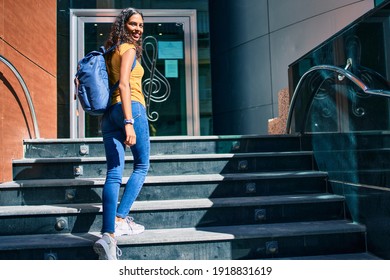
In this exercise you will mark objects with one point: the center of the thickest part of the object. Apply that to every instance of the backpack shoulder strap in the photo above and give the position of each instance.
(134, 63)
(103, 50)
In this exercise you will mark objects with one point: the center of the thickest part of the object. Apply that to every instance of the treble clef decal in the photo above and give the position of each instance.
(156, 88)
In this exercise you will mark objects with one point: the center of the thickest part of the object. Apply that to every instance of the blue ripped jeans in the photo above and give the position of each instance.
(113, 138)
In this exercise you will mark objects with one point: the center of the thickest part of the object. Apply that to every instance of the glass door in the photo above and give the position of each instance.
(170, 61)
(164, 83)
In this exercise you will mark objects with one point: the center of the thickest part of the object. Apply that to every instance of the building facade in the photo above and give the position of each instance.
(29, 44)
(221, 64)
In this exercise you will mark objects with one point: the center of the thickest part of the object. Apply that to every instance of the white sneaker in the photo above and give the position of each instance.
(107, 248)
(128, 227)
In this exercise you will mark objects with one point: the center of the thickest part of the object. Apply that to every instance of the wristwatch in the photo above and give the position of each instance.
(130, 121)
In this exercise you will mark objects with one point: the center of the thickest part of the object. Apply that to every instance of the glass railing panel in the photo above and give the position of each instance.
(341, 98)
(341, 106)
(332, 99)
(365, 43)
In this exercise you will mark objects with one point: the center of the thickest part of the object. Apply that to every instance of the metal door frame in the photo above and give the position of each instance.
(80, 16)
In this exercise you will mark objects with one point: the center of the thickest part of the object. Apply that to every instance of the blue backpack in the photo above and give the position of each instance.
(92, 84)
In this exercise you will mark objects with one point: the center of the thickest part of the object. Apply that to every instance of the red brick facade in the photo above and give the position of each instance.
(28, 41)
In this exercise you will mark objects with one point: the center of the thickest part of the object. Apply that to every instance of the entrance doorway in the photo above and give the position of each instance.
(170, 60)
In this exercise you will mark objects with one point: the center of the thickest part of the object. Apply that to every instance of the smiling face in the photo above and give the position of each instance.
(135, 26)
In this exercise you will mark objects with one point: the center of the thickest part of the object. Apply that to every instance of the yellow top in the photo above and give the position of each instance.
(135, 78)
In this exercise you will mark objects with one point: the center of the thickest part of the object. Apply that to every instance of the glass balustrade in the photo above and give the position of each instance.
(340, 105)
(341, 100)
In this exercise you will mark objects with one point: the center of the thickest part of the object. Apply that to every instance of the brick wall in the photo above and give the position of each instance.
(28, 41)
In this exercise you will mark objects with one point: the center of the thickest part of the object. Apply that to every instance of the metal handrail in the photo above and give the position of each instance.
(26, 93)
(341, 71)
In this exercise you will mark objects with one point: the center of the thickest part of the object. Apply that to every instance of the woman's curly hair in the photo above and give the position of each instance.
(119, 33)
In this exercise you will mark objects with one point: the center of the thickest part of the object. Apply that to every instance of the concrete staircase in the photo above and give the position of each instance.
(227, 197)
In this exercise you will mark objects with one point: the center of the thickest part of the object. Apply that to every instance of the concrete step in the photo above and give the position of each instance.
(217, 197)
(226, 242)
(89, 190)
(93, 147)
(39, 219)
(68, 168)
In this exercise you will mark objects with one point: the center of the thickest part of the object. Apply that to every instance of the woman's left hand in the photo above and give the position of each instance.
(131, 138)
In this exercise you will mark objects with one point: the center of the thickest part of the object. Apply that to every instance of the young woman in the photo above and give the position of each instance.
(123, 125)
